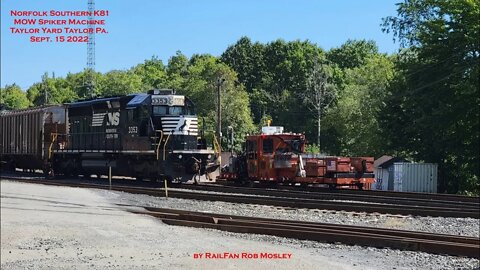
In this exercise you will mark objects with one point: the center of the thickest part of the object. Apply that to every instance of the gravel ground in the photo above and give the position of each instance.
(45, 227)
(453, 226)
(357, 256)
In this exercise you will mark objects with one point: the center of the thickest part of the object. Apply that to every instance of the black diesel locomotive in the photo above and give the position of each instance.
(152, 136)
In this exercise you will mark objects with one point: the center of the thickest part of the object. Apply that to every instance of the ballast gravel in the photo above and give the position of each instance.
(453, 226)
(45, 227)
(358, 256)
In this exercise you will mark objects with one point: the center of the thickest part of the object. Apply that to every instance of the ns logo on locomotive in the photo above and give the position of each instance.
(153, 135)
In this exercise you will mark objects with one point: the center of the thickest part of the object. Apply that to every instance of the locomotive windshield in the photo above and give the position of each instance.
(172, 110)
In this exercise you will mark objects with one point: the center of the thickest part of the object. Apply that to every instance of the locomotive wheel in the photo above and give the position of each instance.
(196, 179)
(248, 183)
(45, 173)
(169, 179)
(10, 166)
(157, 181)
(272, 184)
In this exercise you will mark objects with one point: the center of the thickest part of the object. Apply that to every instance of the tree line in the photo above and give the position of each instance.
(421, 103)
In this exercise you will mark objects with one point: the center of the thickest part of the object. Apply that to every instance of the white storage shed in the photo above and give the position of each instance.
(395, 174)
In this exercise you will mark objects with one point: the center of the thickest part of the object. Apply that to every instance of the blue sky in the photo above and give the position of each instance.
(143, 28)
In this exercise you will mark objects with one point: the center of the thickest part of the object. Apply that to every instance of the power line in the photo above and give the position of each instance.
(430, 66)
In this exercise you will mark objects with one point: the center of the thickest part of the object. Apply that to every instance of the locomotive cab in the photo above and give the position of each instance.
(175, 115)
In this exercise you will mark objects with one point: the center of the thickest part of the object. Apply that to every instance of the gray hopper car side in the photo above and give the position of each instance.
(26, 135)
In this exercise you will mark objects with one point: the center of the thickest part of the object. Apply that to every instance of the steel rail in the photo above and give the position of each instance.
(323, 232)
(401, 194)
(384, 197)
(335, 196)
(280, 201)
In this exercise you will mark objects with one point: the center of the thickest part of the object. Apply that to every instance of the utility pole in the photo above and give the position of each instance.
(219, 112)
(230, 135)
(45, 88)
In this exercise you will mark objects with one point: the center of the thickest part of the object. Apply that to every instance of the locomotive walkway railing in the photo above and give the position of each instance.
(86, 142)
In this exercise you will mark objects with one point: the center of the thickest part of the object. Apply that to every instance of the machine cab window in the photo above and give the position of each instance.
(252, 149)
(268, 146)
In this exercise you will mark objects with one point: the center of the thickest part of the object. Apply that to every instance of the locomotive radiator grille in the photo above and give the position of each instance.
(180, 125)
(97, 119)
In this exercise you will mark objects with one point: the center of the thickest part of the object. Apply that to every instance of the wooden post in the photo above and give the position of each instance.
(166, 188)
(110, 176)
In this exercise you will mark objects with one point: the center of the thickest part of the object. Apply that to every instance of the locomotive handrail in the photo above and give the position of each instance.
(159, 143)
(216, 145)
(217, 149)
(54, 136)
(165, 144)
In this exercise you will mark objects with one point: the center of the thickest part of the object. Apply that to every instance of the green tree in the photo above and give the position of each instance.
(275, 76)
(152, 73)
(119, 82)
(247, 59)
(319, 93)
(352, 53)
(177, 70)
(200, 84)
(287, 67)
(78, 83)
(354, 119)
(12, 97)
(51, 91)
(436, 93)
(197, 78)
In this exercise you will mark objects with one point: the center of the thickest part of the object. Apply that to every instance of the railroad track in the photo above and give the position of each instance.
(322, 232)
(381, 197)
(373, 196)
(393, 194)
(358, 196)
(312, 203)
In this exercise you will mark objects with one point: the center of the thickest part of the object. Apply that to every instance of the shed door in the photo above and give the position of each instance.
(390, 178)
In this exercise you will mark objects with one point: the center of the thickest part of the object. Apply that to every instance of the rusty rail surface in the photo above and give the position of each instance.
(435, 211)
(383, 197)
(356, 196)
(323, 232)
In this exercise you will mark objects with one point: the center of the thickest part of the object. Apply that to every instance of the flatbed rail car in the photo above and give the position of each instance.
(278, 157)
(25, 136)
(152, 136)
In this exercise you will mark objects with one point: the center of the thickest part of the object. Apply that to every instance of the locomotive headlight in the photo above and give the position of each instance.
(209, 156)
(179, 156)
